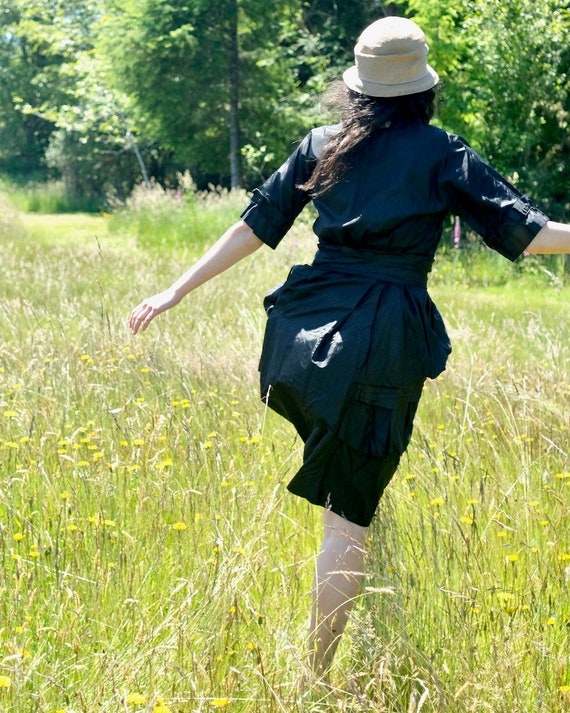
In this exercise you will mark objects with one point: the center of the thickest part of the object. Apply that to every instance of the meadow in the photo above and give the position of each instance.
(152, 560)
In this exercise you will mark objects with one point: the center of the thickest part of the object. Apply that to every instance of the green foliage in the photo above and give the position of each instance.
(79, 81)
(506, 72)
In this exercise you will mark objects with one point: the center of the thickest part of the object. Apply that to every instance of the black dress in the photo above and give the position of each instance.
(351, 338)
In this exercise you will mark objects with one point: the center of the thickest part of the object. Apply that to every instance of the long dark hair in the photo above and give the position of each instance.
(362, 117)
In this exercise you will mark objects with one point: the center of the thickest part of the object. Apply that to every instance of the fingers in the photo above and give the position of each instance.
(141, 317)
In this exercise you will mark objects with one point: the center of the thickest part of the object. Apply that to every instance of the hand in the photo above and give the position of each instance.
(148, 309)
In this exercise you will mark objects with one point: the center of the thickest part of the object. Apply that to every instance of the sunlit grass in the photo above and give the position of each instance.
(152, 559)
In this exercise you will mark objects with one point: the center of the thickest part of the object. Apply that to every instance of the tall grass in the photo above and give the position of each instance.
(47, 197)
(152, 559)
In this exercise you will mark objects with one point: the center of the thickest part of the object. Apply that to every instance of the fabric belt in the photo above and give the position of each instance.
(389, 267)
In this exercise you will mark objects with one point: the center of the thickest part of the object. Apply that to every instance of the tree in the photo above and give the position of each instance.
(505, 66)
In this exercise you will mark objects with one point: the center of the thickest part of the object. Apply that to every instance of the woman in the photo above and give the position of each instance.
(351, 338)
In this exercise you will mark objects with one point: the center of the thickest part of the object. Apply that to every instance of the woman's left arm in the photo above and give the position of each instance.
(552, 238)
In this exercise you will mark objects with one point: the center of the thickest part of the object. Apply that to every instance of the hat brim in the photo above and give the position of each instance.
(374, 89)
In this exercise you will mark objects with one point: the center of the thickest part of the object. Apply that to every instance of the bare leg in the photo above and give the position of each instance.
(337, 582)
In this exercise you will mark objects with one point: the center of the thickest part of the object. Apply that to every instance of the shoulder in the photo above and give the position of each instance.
(318, 138)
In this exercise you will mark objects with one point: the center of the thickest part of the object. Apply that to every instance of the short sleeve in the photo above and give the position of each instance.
(275, 205)
(506, 219)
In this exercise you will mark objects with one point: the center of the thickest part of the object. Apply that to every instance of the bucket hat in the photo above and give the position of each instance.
(391, 60)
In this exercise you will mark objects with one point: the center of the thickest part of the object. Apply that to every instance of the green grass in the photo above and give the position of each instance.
(150, 551)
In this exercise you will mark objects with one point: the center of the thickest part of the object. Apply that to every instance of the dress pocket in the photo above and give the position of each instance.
(378, 420)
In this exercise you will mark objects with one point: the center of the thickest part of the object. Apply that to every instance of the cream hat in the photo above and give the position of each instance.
(391, 60)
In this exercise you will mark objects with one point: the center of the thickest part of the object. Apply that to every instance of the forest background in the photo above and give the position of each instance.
(99, 95)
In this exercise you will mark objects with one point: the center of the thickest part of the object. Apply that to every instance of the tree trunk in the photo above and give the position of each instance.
(234, 96)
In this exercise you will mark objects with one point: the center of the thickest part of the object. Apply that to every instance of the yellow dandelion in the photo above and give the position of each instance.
(179, 526)
(64, 495)
(505, 596)
(564, 557)
(220, 702)
(138, 442)
(436, 502)
(160, 707)
(207, 444)
(5, 682)
(18, 536)
(136, 699)
(551, 621)
(10, 414)
(564, 689)
(466, 520)
(512, 558)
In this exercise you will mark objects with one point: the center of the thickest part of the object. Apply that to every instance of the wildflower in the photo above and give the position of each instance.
(466, 520)
(512, 558)
(220, 702)
(5, 682)
(179, 526)
(18, 536)
(551, 621)
(564, 689)
(10, 414)
(160, 707)
(136, 699)
(436, 502)
(505, 596)
(64, 495)
(564, 557)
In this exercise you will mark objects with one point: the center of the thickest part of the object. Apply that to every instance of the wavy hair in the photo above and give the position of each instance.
(362, 117)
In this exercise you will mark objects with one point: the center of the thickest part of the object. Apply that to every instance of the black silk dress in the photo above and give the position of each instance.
(351, 338)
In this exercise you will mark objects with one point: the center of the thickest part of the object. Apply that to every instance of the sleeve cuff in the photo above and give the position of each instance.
(518, 229)
(266, 221)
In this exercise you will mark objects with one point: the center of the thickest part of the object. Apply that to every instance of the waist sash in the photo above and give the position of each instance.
(389, 267)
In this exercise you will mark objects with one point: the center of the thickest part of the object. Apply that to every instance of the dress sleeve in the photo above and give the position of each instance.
(275, 205)
(506, 219)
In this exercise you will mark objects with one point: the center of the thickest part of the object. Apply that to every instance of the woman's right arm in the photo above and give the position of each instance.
(551, 238)
(236, 243)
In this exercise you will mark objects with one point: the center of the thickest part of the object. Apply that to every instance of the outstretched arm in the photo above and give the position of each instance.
(236, 243)
(552, 238)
